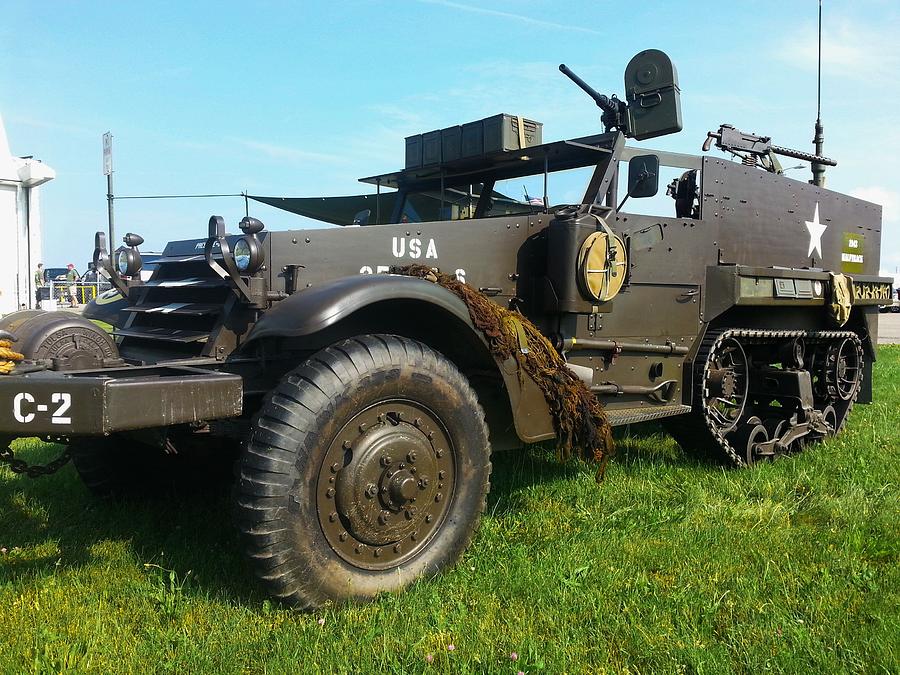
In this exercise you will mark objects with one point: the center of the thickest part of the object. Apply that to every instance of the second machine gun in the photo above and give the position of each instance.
(757, 150)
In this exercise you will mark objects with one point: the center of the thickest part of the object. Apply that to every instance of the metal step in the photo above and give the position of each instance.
(164, 334)
(621, 417)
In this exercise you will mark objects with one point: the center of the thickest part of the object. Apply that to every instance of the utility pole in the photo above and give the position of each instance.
(108, 172)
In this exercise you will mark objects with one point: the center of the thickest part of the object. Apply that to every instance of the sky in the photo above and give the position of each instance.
(303, 98)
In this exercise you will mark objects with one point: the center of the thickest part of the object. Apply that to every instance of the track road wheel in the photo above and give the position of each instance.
(830, 416)
(747, 440)
(367, 467)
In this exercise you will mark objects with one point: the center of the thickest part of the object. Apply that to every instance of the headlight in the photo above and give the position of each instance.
(122, 262)
(248, 255)
(242, 254)
(128, 262)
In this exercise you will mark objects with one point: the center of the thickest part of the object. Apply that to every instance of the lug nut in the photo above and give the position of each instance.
(335, 467)
(429, 518)
(330, 493)
(396, 548)
(439, 453)
(411, 456)
(441, 475)
(377, 552)
(423, 482)
(346, 445)
(333, 517)
(383, 518)
(386, 460)
(371, 490)
(417, 422)
(438, 497)
(343, 536)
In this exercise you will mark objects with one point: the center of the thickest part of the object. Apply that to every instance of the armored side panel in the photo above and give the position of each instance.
(654, 99)
(772, 220)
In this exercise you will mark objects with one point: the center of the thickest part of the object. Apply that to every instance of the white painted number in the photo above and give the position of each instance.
(24, 418)
(63, 399)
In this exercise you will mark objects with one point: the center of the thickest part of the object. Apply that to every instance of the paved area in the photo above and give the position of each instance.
(888, 329)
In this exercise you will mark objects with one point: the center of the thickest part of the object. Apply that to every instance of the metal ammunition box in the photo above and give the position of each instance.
(431, 148)
(414, 151)
(472, 139)
(502, 133)
(654, 99)
(451, 143)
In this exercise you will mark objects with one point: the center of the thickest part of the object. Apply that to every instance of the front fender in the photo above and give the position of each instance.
(316, 309)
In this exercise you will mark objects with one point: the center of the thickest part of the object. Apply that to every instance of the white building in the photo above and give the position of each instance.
(20, 225)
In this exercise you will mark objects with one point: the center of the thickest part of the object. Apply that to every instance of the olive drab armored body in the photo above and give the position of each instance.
(365, 395)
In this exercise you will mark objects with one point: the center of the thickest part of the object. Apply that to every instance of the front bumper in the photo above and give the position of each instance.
(95, 403)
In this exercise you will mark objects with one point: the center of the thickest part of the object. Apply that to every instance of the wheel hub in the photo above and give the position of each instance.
(385, 485)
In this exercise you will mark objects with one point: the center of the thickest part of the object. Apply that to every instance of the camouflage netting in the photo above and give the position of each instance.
(577, 414)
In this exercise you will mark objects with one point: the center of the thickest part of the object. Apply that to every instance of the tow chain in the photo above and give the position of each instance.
(712, 341)
(18, 465)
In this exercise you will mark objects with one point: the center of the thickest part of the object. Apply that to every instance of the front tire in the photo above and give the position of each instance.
(367, 467)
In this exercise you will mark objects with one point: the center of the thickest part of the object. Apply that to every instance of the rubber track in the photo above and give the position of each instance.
(749, 336)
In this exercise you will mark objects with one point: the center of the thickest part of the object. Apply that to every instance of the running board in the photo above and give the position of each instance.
(618, 418)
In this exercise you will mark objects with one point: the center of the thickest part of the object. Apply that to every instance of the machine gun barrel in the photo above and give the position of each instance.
(603, 102)
(805, 156)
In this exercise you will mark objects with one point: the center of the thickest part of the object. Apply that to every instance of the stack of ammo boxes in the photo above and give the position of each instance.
(498, 133)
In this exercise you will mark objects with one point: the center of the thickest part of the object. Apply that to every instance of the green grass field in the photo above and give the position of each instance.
(671, 565)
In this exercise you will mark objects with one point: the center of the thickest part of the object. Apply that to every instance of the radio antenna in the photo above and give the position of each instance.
(818, 169)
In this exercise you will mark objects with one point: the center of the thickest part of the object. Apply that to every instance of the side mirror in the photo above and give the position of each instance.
(362, 218)
(643, 176)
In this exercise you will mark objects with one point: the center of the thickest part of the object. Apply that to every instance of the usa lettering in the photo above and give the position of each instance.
(414, 248)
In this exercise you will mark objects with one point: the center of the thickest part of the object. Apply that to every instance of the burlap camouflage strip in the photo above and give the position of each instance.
(577, 414)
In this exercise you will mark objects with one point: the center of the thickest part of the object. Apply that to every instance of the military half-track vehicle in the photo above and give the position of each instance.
(365, 404)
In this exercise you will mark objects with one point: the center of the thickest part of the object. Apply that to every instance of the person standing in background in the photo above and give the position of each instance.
(71, 278)
(38, 282)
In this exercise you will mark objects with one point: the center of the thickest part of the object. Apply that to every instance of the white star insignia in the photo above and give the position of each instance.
(815, 233)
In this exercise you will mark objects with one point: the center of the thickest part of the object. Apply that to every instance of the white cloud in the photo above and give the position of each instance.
(848, 48)
(541, 23)
(284, 152)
